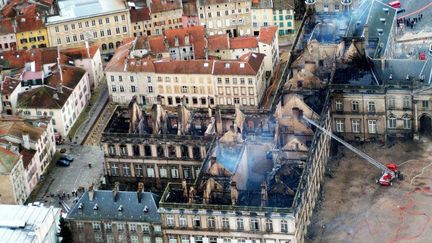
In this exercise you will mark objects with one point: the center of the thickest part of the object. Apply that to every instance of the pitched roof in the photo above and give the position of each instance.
(243, 42)
(108, 208)
(184, 67)
(249, 65)
(196, 36)
(43, 98)
(80, 52)
(218, 42)
(283, 4)
(71, 76)
(29, 20)
(157, 44)
(8, 85)
(190, 9)
(267, 34)
(6, 26)
(157, 6)
(211, 2)
(138, 15)
(8, 160)
(17, 126)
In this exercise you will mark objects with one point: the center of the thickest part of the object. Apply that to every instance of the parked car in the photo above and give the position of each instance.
(62, 162)
(67, 157)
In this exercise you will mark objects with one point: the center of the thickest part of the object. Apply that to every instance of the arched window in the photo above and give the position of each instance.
(111, 45)
(104, 47)
(392, 121)
(184, 151)
(118, 43)
(160, 151)
(406, 121)
(196, 153)
(172, 151)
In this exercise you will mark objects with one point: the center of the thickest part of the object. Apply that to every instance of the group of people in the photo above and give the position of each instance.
(409, 22)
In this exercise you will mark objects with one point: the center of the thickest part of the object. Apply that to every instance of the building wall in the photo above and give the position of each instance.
(32, 39)
(13, 185)
(188, 21)
(93, 67)
(284, 20)
(115, 231)
(166, 20)
(141, 28)
(332, 6)
(261, 17)
(219, 226)
(242, 90)
(7, 41)
(229, 17)
(73, 33)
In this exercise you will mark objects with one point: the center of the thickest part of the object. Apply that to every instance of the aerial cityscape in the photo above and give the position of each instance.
(215, 121)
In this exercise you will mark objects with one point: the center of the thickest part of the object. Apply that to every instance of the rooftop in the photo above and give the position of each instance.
(140, 14)
(157, 6)
(19, 223)
(8, 160)
(122, 206)
(43, 98)
(70, 10)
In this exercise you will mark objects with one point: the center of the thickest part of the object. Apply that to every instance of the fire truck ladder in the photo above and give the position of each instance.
(349, 146)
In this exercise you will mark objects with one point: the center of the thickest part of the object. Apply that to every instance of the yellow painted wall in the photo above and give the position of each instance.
(43, 42)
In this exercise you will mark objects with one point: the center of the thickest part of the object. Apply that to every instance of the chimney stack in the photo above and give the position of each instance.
(234, 193)
(115, 190)
(192, 193)
(264, 195)
(87, 48)
(91, 192)
(184, 188)
(26, 140)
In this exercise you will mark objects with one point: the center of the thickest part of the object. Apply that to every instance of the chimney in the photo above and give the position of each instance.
(187, 40)
(176, 41)
(115, 190)
(91, 192)
(264, 195)
(55, 96)
(234, 193)
(140, 191)
(87, 48)
(192, 193)
(59, 88)
(184, 188)
(26, 140)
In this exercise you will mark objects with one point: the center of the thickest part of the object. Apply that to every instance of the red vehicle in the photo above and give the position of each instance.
(395, 4)
(388, 176)
(58, 138)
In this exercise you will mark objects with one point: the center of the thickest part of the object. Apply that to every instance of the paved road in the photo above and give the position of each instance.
(68, 179)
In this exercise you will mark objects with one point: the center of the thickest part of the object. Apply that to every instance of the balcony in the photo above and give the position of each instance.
(346, 2)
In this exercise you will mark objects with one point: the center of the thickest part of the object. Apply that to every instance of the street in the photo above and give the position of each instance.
(78, 174)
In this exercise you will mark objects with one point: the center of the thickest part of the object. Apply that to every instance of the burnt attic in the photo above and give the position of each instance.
(159, 120)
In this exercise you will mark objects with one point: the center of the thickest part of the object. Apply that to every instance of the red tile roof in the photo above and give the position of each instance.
(80, 52)
(71, 76)
(6, 26)
(196, 38)
(243, 42)
(218, 42)
(184, 67)
(267, 34)
(157, 6)
(17, 59)
(249, 64)
(29, 19)
(138, 15)
(157, 44)
(8, 85)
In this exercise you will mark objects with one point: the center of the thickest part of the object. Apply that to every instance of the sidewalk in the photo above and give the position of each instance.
(93, 114)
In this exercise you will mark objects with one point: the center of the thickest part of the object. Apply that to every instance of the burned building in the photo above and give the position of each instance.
(256, 185)
(156, 146)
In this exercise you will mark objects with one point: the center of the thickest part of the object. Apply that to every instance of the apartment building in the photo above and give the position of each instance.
(30, 29)
(63, 96)
(102, 22)
(140, 21)
(332, 6)
(190, 14)
(34, 140)
(7, 35)
(266, 43)
(225, 17)
(165, 14)
(155, 148)
(262, 15)
(198, 82)
(13, 184)
(115, 216)
(283, 16)
(41, 223)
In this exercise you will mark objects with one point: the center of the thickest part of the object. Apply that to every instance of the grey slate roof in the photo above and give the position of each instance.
(400, 68)
(283, 4)
(107, 208)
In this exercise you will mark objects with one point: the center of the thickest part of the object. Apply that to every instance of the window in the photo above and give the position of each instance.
(132, 227)
(355, 106)
(184, 239)
(225, 223)
(163, 173)
(211, 222)
(269, 225)
(145, 228)
(183, 221)
(184, 89)
(406, 122)
(371, 106)
(170, 220)
(425, 104)
(122, 88)
(114, 170)
(114, 88)
(372, 126)
(392, 103)
(172, 239)
(150, 172)
(196, 222)
(254, 224)
(284, 226)
(120, 227)
(126, 170)
(174, 172)
(240, 224)
(133, 89)
(80, 225)
(124, 29)
(242, 81)
(392, 121)
(339, 105)
(150, 89)
(139, 171)
(340, 125)
(96, 226)
(406, 103)
(355, 126)
(159, 240)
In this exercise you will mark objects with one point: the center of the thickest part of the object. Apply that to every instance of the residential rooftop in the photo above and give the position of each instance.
(8, 160)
